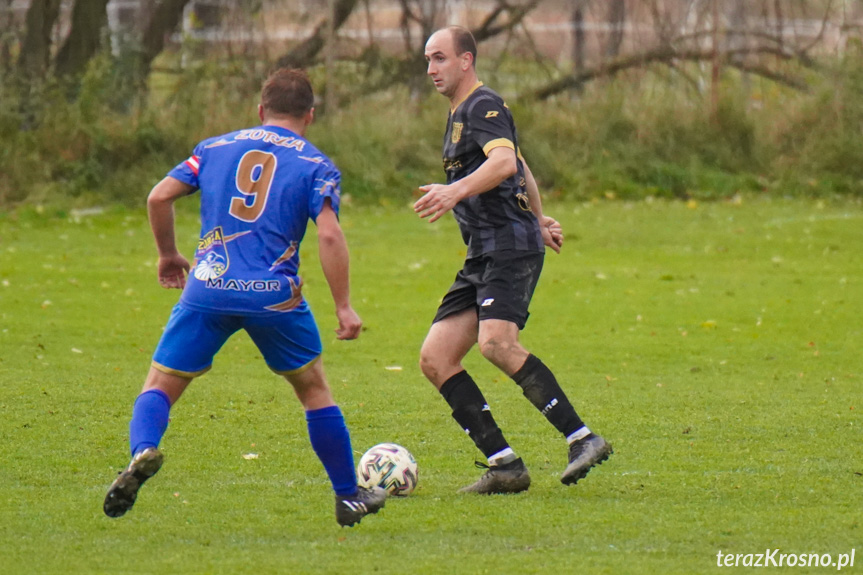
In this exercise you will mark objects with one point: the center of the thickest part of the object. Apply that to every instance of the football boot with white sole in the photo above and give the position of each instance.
(350, 509)
(123, 492)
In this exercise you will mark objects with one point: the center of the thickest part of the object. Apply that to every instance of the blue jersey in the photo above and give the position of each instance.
(259, 188)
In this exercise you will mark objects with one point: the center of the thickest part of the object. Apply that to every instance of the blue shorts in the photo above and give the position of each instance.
(289, 342)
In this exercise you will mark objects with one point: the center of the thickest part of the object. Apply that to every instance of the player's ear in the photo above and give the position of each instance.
(310, 117)
(466, 61)
(261, 112)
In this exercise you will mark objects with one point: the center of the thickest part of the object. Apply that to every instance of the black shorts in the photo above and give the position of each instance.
(499, 285)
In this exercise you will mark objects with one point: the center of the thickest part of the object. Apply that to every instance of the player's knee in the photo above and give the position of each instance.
(436, 366)
(428, 365)
(494, 349)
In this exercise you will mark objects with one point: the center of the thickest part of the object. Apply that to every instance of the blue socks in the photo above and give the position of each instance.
(149, 420)
(327, 431)
(332, 443)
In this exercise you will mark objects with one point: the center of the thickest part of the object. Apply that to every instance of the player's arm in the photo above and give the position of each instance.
(333, 251)
(160, 208)
(552, 233)
(499, 165)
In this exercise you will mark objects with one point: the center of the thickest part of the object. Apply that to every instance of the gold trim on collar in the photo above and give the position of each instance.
(466, 96)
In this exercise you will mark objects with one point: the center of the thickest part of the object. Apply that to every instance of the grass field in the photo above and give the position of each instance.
(717, 346)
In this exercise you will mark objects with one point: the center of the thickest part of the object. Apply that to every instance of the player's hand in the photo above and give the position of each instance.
(172, 271)
(349, 323)
(552, 233)
(438, 200)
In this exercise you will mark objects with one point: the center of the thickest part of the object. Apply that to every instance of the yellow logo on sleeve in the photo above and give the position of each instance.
(492, 114)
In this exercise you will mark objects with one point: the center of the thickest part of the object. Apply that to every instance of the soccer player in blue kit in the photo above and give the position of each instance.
(497, 205)
(259, 187)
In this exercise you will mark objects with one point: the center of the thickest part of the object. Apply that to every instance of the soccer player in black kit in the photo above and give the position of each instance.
(496, 203)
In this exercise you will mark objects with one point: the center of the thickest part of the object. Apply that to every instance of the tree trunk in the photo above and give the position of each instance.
(578, 43)
(780, 22)
(6, 40)
(304, 54)
(36, 48)
(716, 66)
(737, 41)
(426, 13)
(163, 21)
(89, 17)
(329, 61)
(617, 22)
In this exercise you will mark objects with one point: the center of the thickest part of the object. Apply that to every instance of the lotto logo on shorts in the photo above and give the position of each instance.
(487, 302)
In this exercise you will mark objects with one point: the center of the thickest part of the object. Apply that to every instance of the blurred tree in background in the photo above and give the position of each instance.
(685, 98)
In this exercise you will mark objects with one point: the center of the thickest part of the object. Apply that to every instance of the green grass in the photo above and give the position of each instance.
(716, 345)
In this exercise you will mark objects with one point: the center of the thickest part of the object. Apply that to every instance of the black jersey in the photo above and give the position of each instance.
(499, 219)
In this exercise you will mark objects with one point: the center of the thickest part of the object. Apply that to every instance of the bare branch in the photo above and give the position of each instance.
(516, 14)
(305, 53)
(408, 13)
(489, 21)
(824, 21)
(662, 55)
(771, 75)
(799, 54)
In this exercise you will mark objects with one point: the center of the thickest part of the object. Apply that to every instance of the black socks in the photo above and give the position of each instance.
(471, 411)
(541, 388)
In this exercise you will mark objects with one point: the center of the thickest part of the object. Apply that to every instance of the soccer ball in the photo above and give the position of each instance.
(389, 466)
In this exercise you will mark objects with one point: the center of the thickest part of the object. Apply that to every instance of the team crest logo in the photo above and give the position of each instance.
(211, 256)
(456, 132)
